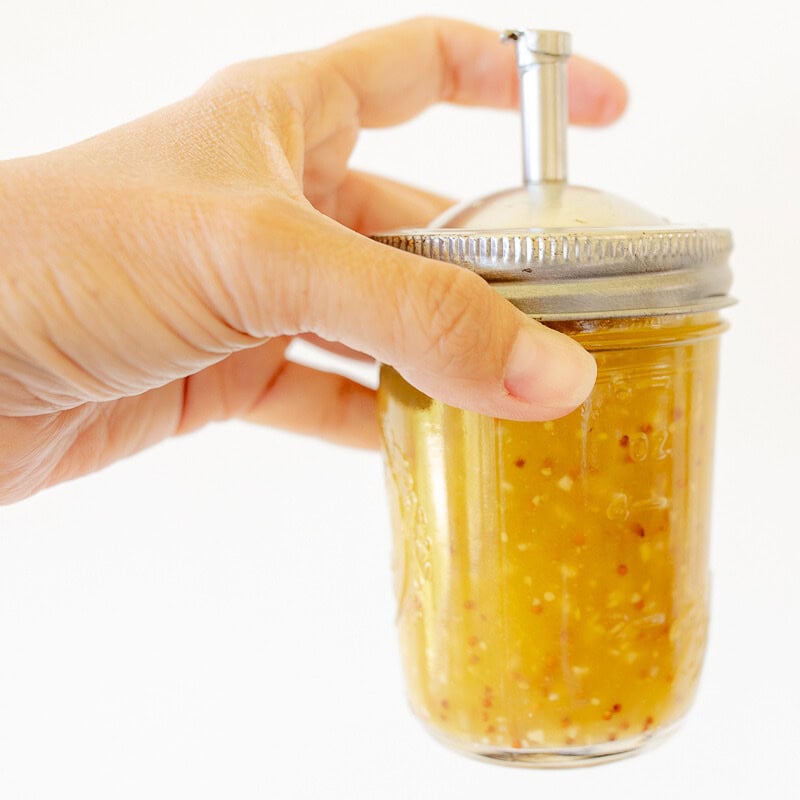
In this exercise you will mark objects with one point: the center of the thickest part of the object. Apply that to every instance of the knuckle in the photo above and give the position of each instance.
(274, 79)
(453, 312)
(226, 260)
(265, 276)
(257, 96)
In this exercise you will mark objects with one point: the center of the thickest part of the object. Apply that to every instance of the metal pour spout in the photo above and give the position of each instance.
(559, 251)
(542, 61)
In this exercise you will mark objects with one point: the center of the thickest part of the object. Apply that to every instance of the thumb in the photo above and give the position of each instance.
(445, 330)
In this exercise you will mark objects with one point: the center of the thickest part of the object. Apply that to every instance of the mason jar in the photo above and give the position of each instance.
(552, 578)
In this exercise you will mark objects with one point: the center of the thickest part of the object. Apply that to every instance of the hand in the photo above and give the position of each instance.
(151, 278)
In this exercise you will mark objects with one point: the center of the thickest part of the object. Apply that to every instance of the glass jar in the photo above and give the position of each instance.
(552, 577)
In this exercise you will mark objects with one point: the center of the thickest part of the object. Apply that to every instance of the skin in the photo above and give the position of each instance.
(152, 277)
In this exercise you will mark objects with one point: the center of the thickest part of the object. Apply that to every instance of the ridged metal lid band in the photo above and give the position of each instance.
(511, 255)
(589, 273)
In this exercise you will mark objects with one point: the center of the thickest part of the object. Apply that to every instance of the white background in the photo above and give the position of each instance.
(214, 618)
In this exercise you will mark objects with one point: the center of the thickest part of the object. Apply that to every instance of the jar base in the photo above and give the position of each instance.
(558, 757)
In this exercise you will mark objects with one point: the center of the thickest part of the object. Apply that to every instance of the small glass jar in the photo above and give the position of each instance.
(552, 577)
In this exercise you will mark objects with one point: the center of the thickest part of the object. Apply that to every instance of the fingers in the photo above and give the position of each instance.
(442, 327)
(260, 385)
(322, 404)
(369, 203)
(596, 95)
(391, 74)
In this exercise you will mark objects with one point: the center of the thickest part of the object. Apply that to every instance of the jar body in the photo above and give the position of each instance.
(552, 577)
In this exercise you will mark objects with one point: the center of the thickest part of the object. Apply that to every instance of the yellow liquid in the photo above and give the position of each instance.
(552, 578)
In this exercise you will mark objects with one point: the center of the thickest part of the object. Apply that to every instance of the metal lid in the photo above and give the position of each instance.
(561, 251)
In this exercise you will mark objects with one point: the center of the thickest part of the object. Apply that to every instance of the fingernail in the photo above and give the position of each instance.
(548, 369)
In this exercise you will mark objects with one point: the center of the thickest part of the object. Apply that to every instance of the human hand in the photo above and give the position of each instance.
(151, 278)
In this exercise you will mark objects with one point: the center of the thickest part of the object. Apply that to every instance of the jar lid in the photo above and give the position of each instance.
(559, 251)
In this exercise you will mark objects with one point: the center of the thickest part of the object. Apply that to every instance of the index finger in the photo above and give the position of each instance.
(391, 74)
